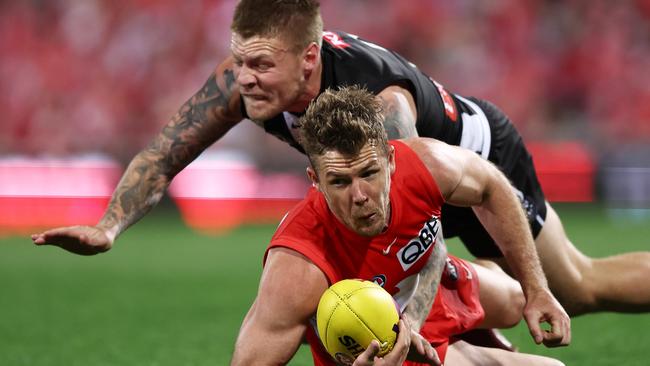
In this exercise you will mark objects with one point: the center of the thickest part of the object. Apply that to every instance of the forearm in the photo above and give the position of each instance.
(421, 303)
(503, 217)
(261, 348)
(139, 190)
(278, 319)
(199, 122)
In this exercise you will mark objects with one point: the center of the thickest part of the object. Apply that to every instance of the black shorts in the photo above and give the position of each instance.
(507, 151)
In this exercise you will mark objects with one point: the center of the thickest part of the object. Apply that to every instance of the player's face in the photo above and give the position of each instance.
(270, 75)
(357, 188)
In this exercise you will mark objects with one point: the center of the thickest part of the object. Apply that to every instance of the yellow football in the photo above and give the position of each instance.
(351, 313)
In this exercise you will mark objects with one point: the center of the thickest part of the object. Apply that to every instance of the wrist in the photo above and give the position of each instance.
(536, 291)
(413, 319)
(110, 232)
(531, 277)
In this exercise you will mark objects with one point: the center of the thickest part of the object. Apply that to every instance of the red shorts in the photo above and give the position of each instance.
(456, 308)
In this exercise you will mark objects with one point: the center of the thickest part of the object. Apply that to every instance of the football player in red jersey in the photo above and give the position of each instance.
(281, 60)
(370, 195)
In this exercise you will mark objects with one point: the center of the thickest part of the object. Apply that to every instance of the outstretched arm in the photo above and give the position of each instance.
(467, 180)
(202, 120)
(276, 322)
(502, 215)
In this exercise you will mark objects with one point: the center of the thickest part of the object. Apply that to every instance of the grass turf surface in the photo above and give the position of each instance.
(168, 296)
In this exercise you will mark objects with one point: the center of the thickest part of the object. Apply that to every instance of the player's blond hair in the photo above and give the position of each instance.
(297, 21)
(343, 120)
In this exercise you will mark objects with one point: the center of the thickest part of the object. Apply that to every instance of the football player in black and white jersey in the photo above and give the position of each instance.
(281, 60)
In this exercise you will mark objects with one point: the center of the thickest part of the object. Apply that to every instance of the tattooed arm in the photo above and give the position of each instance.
(201, 121)
(399, 111)
(420, 305)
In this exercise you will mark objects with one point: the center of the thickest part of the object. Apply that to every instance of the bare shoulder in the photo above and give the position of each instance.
(436, 155)
(288, 296)
(444, 162)
(291, 281)
(399, 112)
(218, 101)
(225, 79)
(203, 119)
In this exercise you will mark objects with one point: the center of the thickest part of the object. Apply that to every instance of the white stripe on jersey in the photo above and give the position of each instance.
(476, 130)
(406, 291)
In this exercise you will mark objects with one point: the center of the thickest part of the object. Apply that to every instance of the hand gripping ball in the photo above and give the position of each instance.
(351, 313)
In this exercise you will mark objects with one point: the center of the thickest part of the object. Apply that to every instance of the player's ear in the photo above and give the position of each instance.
(311, 57)
(391, 159)
(313, 177)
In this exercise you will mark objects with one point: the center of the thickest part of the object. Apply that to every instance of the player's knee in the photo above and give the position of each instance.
(552, 362)
(516, 301)
(581, 301)
(578, 294)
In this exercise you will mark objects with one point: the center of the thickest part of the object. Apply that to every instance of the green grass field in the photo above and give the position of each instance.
(168, 296)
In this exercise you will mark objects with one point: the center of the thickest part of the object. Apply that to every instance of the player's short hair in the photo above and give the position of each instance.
(343, 120)
(298, 20)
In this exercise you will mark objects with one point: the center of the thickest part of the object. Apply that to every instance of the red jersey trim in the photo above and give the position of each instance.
(412, 158)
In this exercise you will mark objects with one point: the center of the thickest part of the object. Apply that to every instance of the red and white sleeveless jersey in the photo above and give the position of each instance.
(392, 259)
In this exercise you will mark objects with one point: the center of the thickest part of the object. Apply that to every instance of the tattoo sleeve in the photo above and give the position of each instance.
(420, 306)
(203, 119)
(397, 123)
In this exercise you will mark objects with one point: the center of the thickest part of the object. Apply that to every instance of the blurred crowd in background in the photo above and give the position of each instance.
(89, 82)
(83, 76)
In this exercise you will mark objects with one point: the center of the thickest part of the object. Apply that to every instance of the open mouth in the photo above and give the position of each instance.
(254, 96)
(368, 217)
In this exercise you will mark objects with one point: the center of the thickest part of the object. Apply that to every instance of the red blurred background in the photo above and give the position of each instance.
(80, 77)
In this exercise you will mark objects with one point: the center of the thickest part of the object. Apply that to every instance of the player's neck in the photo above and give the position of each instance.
(389, 218)
(312, 89)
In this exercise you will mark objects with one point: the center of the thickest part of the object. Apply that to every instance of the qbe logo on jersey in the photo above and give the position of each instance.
(419, 245)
